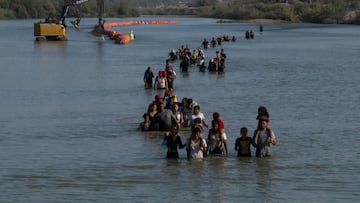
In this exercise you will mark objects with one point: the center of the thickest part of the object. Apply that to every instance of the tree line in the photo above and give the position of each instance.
(315, 11)
(20, 9)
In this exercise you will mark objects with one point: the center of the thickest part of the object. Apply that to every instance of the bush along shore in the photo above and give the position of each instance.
(311, 11)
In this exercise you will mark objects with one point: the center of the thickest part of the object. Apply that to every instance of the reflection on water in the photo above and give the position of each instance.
(263, 171)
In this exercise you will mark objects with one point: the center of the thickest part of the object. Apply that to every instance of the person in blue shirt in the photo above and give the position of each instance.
(148, 78)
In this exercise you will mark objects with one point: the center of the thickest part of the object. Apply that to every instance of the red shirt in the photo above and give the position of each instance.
(221, 125)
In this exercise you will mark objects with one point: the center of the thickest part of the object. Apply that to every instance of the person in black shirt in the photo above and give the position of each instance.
(243, 143)
(173, 141)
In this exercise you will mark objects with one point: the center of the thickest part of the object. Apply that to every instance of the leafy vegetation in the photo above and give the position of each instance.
(316, 11)
(20, 9)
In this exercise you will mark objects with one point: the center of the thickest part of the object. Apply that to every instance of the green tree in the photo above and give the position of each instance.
(5, 4)
(7, 14)
(123, 8)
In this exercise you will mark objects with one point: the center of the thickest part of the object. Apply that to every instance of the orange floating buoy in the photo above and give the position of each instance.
(122, 39)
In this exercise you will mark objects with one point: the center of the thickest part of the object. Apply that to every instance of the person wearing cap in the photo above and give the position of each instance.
(263, 137)
(158, 98)
(170, 102)
(157, 101)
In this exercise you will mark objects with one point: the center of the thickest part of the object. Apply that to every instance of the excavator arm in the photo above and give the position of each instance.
(101, 7)
(56, 30)
(65, 10)
(99, 29)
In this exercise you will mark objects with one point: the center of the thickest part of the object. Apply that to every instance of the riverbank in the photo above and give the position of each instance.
(349, 18)
(260, 21)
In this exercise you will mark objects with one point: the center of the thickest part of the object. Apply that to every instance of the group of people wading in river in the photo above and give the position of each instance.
(197, 58)
(168, 114)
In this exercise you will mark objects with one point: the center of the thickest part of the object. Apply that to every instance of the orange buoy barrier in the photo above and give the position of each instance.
(121, 38)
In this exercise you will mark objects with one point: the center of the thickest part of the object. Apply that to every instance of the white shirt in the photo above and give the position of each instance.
(193, 117)
(196, 153)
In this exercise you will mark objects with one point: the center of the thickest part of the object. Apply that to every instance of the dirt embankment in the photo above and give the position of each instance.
(259, 21)
(351, 17)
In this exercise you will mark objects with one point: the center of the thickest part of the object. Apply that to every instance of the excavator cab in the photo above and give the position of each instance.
(55, 30)
(50, 31)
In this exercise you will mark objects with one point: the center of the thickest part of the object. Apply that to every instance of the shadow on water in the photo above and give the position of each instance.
(42, 47)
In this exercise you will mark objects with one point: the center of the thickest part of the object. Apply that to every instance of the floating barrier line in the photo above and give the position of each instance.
(109, 25)
(121, 38)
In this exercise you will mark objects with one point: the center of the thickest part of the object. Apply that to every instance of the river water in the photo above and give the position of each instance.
(69, 113)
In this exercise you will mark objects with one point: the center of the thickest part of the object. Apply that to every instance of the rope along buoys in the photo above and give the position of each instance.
(108, 25)
(121, 38)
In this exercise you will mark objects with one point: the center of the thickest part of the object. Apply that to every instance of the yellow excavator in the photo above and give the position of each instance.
(56, 29)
